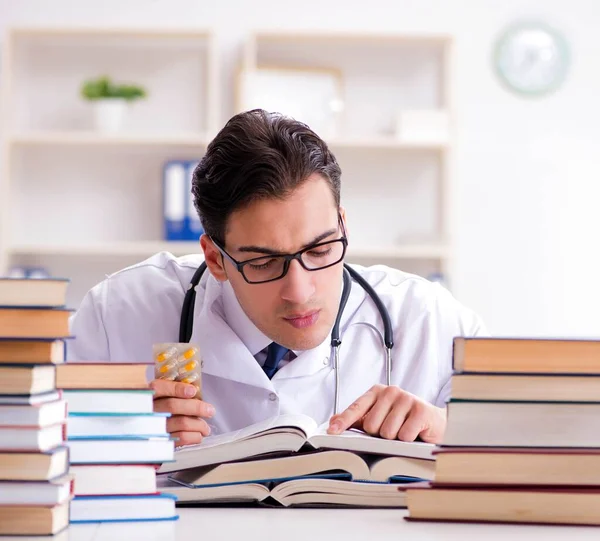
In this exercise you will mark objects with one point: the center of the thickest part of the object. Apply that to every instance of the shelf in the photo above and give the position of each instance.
(383, 143)
(141, 248)
(90, 138)
(108, 31)
(407, 251)
(148, 248)
(361, 37)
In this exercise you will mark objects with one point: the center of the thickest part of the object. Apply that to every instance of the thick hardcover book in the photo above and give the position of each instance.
(497, 466)
(526, 355)
(539, 505)
(39, 292)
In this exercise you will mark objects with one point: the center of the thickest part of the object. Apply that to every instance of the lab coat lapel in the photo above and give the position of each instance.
(311, 361)
(307, 362)
(223, 354)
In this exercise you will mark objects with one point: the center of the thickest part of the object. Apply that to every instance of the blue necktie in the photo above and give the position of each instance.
(275, 353)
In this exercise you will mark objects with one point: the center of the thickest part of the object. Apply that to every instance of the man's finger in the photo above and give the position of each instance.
(435, 425)
(187, 438)
(184, 423)
(414, 424)
(375, 417)
(354, 413)
(164, 387)
(395, 419)
(181, 406)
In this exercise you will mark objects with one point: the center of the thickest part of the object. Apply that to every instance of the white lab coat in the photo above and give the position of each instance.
(123, 316)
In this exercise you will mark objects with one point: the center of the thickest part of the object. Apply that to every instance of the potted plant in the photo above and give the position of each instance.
(110, 101)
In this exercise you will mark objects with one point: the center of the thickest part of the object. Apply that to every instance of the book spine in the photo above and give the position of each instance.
(193, 226)
(174, 187)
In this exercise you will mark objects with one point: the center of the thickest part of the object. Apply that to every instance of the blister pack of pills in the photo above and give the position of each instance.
(178, 362)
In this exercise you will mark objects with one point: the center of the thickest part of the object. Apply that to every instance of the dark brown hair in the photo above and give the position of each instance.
(258, 155)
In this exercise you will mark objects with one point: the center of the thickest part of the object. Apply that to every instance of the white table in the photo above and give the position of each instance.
(247, 524)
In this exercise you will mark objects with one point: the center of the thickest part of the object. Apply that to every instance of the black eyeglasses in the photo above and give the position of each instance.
(269, 268)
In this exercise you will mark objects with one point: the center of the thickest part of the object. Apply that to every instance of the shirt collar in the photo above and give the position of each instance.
(254, 339)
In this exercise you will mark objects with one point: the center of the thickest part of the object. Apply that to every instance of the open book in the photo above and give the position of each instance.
(297, 492)
(333, 464)
(288, 434)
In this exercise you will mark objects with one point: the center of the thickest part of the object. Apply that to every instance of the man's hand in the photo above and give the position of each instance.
(392, 413)
(185, 422)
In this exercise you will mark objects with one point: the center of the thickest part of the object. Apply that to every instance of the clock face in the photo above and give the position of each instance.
(531, 59)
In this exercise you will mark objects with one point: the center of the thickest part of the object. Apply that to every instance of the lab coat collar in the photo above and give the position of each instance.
(252, 337)
(223, 352)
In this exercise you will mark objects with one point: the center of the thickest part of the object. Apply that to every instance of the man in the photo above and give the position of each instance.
(268, 193)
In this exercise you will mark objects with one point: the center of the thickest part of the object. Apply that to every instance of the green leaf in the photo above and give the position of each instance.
(103, 88)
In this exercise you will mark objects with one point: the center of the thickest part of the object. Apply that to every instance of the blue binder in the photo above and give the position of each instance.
(181, 221)
(193, 225)
(174, 200)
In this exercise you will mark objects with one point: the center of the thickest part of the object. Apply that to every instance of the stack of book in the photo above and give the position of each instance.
(116, 443)
(523, 436)
(290, 461)
(35, 486)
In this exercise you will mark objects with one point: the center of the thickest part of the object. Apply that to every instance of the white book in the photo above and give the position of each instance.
(41, 292)
(50, 413)
(31, 399)
(97, 480)
(113, 508)
(121, 451)
(109, 401)
(99, 425)
(18, 438)
(47, 493)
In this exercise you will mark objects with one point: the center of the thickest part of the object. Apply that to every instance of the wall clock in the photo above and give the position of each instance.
(531, 59)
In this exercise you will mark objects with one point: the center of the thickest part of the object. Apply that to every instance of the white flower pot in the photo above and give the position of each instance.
(109, 114)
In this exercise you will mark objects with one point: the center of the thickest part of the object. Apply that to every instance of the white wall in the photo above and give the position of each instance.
(527, 171)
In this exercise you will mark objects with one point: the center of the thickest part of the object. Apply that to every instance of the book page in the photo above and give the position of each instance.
(302, 423)
(358, 441)
(400, 468)
(281, 433)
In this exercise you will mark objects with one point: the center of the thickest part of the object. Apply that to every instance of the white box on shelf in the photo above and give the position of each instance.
(311, 95)
(423, 126)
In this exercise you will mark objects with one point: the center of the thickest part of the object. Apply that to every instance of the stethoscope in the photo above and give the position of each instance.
(187, 320)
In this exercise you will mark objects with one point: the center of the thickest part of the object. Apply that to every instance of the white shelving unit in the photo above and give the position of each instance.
(84, 204)
(397, 191)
